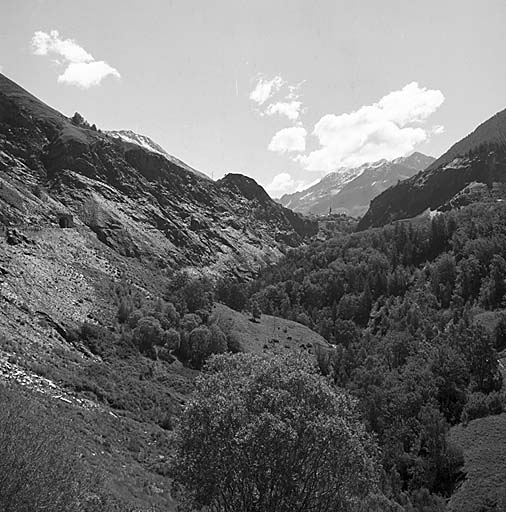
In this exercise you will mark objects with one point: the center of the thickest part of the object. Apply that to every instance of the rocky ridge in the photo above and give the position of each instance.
(137, 201)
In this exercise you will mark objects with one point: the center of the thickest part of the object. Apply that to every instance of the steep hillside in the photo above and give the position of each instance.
(350, 191)
(88, 221)
(137, 201)
(479, 157)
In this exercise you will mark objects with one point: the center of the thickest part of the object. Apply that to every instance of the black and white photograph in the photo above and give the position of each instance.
(252, 256)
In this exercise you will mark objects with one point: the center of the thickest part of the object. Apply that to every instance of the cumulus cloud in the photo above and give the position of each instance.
(283, 183)
(265, 89)
(87, 74)
(287, 140)
(289, 109)
(387, 129)
(45, 44)
(81, 68)
(286, 103)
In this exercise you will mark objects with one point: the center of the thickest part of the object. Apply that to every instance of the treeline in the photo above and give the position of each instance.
(414, 313)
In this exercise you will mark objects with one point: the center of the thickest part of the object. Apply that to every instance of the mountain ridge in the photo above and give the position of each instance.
(478, 157)
(135, 200)
(349, 190)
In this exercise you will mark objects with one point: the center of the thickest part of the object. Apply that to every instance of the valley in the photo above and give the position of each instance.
(124, 272)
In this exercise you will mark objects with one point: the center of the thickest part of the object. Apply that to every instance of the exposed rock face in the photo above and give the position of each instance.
(350, 191)
(479, 157)
(138, 200)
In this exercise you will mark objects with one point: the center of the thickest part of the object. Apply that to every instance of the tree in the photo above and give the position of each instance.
(148, 333)
(200, 345)
(172, 339)
(256, 313)
(269, 433)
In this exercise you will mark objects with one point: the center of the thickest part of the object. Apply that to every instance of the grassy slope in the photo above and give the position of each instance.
(270, 333)
(484, 445)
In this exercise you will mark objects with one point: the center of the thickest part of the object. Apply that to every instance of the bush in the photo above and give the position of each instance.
(480, 405)
(97, 338)
(269, 433)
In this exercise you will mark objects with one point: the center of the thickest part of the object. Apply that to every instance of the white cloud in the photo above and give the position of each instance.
(289, 109)
(283, 183)
(81, 67)
(387, 129)
(265, 89)
(437, 129)
(289, 140)
(45, 44)
(87, 74)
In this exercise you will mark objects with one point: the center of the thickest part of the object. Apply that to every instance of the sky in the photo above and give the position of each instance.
(282, 91)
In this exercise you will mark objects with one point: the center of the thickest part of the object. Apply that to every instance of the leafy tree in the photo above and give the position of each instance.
(172, 339)
(147, 334)
(494, 287)
(500, 333)
(203, 342)
(269, 433)
(125, 309)
(218, 343)
(256, 312)
(443, 277)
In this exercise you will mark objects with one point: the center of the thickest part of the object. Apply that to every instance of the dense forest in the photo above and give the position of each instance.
(414, 314)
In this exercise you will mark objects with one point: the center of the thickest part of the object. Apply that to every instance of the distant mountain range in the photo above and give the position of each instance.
(480, 157)
(349, 190)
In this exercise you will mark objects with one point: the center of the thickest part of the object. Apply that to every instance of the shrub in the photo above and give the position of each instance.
(480, 405)
(495, 402)
(234, 343)
(269, 433)
(97, 338)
